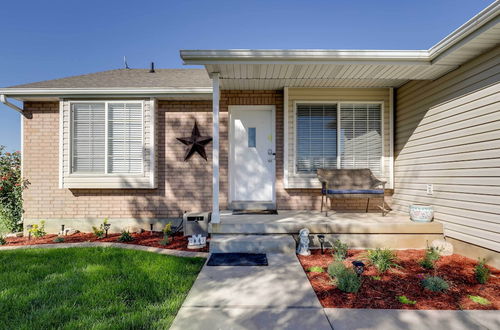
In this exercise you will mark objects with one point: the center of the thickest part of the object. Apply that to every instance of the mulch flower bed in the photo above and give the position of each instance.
(382, 293)
(177, 241)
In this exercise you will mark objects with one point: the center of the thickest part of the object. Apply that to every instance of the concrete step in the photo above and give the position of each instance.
(252, 244)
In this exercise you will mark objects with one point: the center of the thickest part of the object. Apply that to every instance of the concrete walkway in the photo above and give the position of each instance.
(278, 296)
(396, 319)
(177, 253)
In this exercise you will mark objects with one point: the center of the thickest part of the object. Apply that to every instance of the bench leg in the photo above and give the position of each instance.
(367, 204)
(322, 198)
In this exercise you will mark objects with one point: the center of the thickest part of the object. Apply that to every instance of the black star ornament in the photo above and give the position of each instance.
(195, 143)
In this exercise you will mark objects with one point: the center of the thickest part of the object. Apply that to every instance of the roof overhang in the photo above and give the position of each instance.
(273, 69)
(27, 94)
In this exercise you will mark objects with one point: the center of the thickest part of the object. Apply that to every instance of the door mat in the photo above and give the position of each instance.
(237, 259)
(243, 212)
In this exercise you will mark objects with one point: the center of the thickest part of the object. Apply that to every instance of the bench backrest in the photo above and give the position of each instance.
(347, 178)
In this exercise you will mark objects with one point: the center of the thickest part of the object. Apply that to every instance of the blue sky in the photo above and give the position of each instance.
(52, 39)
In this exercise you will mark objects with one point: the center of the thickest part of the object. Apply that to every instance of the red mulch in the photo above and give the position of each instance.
(457, 270)
(177, 242)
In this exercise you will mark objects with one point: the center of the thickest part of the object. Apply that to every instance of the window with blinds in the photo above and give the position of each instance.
(316, 137)
(107, 137)
(359, 136)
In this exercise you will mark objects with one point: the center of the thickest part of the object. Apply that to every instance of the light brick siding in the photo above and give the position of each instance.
(182, 186)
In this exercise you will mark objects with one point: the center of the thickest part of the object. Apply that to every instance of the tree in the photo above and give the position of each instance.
(11, 187)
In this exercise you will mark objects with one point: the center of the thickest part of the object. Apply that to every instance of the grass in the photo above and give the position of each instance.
(92, 288)
(315, 269)
(405, 300)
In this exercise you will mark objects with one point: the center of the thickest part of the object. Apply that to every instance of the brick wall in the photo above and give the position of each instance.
(181, 185)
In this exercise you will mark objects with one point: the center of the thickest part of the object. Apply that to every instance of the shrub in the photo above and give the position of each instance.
(2, 241)
(38, 230)
(480, 300)
(405, 300)
(315, 269)
(58, 239)
(382, 259)
(164, 241)
(125, 237)
(481, 272)
(11, 188)
(100, 231)
(339, 250)
(348, 281)
(335, 268)
(435, 284)
(431, 256)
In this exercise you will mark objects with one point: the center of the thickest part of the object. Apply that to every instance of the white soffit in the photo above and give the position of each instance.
(275, 69)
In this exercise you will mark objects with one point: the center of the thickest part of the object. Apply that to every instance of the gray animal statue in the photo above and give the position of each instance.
(303, 247)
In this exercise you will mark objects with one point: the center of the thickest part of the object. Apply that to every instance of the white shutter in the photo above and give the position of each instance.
(125, 138)
(361, 136)
(316, 137)
(88, 138)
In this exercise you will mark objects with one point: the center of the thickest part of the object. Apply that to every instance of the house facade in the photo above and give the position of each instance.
(426, 121)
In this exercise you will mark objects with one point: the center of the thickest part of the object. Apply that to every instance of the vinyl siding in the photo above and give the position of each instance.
(335, 95)
(448, 134)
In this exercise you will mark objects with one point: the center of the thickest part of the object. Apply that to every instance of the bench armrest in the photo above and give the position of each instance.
(378, 183)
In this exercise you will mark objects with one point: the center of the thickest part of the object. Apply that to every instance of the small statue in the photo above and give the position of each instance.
(303, 248)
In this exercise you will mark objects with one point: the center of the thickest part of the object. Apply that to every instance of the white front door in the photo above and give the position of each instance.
(252, 154)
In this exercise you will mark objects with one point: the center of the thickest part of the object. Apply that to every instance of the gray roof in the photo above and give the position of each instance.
(129, 78)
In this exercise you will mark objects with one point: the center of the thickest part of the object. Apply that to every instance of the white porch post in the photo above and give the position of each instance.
(215, 150)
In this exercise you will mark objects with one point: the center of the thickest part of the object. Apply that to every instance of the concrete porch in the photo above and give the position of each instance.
(358, 230)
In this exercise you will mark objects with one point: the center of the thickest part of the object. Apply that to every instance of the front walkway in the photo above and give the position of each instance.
(278, 296)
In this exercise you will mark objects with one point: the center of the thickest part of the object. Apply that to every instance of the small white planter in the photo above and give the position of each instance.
(421, 213)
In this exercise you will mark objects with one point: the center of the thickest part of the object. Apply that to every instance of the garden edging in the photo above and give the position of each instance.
(177, 253)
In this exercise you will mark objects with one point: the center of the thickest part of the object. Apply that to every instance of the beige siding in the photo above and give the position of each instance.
(448, 135)
(143, 181)
(337, 95)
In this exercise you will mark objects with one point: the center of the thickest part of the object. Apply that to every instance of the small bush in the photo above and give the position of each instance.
(405, 300)
(2, 241)
(125, 237)
(335, 268)
(481, 272)
(164, 241)
(431, 256)
(480, 300)
(339, 250)
(100, 231)
(435, 284)
(38, 230)
(376, 278)
(382, 259)
(58, 239)
(167, 230)
(348, 281)
(315, 269)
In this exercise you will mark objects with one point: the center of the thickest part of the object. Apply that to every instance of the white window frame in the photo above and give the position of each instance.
(338, 103)
(106, 124)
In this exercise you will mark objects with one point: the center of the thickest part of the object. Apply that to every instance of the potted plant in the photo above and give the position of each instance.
(421, 213)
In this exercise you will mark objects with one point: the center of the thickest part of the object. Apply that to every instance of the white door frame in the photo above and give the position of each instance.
(231, 108)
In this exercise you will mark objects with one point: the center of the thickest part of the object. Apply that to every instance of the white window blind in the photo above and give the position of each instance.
(316, 137)
(125, 138)
(89, 138)
(361, 136)
(123, 142)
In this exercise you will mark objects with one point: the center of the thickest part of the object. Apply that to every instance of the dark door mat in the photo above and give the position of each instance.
(242, 212)
(237, 259)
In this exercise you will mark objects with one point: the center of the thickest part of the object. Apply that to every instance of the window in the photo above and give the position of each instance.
(316, 137)
(357, 127)
(107, 137)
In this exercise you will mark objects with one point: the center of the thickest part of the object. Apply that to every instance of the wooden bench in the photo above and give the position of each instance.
(350, 183)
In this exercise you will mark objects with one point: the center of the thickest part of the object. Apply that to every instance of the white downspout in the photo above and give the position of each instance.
(215, 149)
(3, 99)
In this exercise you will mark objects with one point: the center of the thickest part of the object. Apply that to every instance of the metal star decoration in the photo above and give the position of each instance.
(195, 143)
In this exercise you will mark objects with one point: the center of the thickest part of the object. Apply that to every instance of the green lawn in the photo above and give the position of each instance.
(92, 288)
